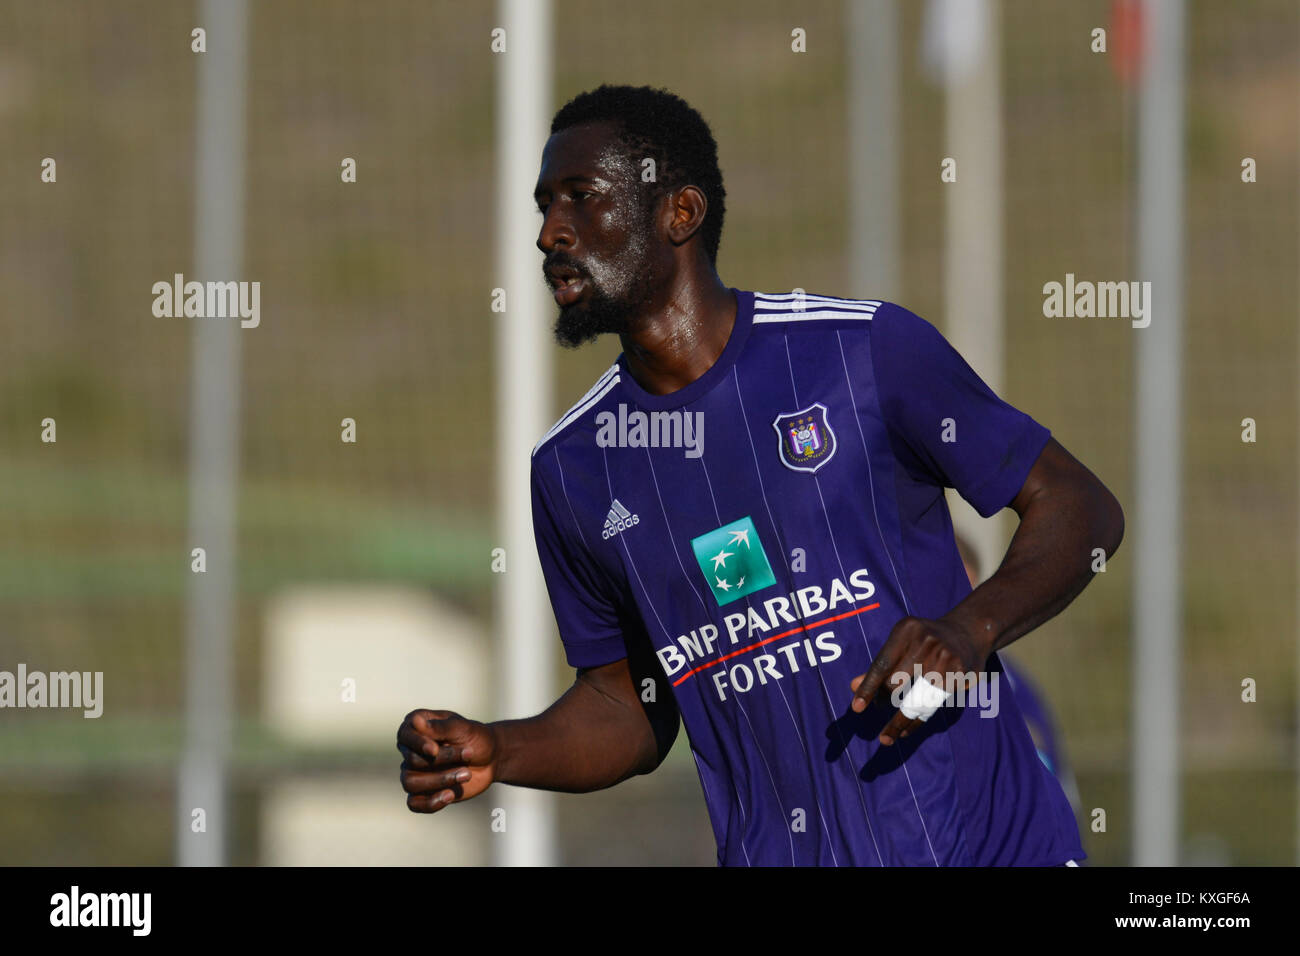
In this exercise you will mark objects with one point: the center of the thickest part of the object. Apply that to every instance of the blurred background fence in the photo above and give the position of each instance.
(371, 561)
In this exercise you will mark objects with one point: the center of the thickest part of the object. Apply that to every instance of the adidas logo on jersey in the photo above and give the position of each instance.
(618, 519)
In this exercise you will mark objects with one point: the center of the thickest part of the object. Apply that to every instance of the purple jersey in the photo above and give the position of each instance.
(749, 541)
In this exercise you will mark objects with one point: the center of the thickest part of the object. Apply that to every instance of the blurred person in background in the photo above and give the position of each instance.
(1033, 705)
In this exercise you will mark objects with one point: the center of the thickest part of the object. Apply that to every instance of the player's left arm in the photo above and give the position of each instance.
(1065, 514)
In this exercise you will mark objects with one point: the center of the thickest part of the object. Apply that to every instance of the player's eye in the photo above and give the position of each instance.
(580, 194)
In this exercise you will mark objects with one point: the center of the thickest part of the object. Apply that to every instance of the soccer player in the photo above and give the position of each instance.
(743, 522)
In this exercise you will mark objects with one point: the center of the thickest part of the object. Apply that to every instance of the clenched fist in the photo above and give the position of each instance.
(446, 758)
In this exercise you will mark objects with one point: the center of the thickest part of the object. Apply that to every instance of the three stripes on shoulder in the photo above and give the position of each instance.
(805, 307)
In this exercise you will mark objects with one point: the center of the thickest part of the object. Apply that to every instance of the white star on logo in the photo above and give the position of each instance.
(741, 582)
(738, 536)
(720, 559)
(722, 585)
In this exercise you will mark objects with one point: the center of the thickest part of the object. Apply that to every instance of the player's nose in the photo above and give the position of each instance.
(555, 231)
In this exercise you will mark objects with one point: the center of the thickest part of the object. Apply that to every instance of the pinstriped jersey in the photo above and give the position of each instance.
(755, 535)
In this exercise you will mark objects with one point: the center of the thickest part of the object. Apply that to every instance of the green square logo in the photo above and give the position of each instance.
(733, 561)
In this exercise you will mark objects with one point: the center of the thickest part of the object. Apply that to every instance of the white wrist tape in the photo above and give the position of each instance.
(922, 700)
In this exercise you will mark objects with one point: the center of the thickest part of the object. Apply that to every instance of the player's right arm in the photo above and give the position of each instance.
(596, 735)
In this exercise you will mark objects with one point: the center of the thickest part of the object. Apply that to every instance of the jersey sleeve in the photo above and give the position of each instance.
(946, 425)
(585, 605)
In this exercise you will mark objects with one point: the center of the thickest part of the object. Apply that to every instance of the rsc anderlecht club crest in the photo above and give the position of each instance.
(806, 439)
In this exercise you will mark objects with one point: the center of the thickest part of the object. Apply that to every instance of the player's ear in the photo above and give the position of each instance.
(689, 209)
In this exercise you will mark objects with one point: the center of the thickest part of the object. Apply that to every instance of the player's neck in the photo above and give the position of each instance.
(682, 340)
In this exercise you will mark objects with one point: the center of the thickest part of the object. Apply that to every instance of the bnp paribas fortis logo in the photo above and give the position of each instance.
(733, 560)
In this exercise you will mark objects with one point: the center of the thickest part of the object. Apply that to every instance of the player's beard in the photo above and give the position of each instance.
(598, 313)
(602, 310)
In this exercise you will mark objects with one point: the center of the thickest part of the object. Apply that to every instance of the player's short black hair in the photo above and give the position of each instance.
(659, 124)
